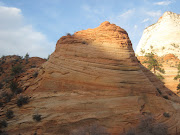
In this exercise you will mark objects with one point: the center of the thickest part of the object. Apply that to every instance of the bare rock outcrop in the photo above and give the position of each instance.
(94, 77)
(162, 37)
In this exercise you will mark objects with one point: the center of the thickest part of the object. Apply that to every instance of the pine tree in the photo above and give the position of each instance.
(178, 73)
(153, 64)
(26, 57)
(178, 77)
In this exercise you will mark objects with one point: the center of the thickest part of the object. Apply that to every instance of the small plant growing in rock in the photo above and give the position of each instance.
(37, 117)
(68, 34)
(159, 91)
(3, 124)
(165, 97)
(9, 114)
(14, 87)
(35, 74)
(22, 100)
(7, 97)
(166, 114)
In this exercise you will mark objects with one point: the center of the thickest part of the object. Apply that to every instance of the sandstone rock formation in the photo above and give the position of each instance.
(93, 77)
(169, 63)
(162, 37)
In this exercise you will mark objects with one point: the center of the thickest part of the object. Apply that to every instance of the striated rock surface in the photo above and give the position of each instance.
(162, 37)
(93, 77)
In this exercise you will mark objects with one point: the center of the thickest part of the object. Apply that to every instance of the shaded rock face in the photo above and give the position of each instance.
(162, 37)
(93, 77)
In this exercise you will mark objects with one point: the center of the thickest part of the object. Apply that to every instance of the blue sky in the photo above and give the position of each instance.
(35, 26)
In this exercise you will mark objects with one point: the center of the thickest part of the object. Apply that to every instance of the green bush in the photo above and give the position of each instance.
(9, 114)
(37, 117)
(166, 114)
(7, 97)
(14, 87)
(22, 101)
(17, 69)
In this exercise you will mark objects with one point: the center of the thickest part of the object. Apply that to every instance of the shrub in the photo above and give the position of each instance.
(9, 114)
(159, 91)
(14, 87)
(68, 34)
(7, 97)
(37, 117)
(3, 124)
(166, 114)
(17, 69)
(22, 101)
(35, 74)
(165, 97)
(148, 126)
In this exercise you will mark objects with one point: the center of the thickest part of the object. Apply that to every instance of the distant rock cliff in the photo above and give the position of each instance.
(162, 37)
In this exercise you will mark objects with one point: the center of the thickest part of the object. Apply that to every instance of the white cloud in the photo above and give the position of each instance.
(163, 3)
(19, 38)
(145, 20)
(154, 13)
(127, 13)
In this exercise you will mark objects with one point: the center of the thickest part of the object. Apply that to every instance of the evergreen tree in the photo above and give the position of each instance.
(178, 77)
(26, 57)
(178, 73)
(153, 64)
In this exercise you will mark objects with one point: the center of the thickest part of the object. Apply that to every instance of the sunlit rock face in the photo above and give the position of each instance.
(162, 37)
(93, 77)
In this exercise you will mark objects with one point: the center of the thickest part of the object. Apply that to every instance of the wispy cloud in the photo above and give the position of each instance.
(154, 13)
(127, 13)
(163, 3)
(145, 20)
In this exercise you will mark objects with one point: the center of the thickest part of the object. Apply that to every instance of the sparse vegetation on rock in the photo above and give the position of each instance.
(148, 126)
(166, 114)
(15, 88)
(9, 114)
(3, 124)
(17, 69)
(37, 117)
(22, 100)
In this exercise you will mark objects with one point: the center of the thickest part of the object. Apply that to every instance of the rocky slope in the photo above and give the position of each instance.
(162, 37)
(170, 63)
(93, 77)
